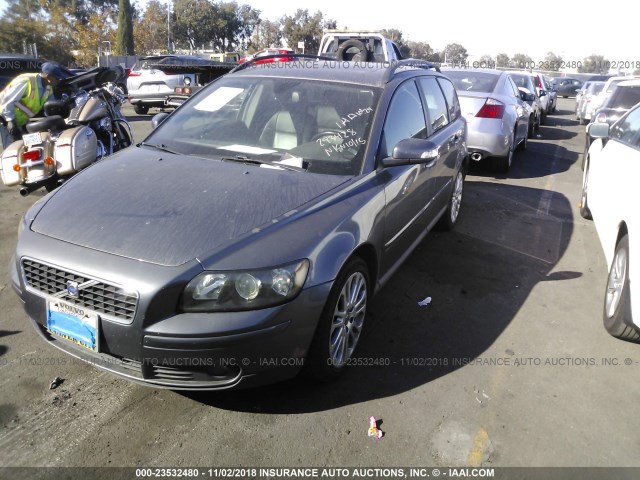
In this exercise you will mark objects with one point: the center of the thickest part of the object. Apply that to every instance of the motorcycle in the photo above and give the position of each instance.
(81, 126)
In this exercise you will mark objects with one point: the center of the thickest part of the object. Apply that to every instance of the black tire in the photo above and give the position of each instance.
(353, 51)
(617, 303)
(451, 215)
(333, 343)
(50, 187)
(531, 128)
(140, 109)
(584, 202)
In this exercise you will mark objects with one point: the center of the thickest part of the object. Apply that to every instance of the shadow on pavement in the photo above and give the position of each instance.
(509, 238)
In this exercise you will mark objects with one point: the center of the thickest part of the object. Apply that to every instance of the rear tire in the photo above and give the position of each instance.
(503, 164)
(450, 217)
(141, 109)
(617, 303)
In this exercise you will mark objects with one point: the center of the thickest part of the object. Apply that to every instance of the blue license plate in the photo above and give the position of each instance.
(73, 323)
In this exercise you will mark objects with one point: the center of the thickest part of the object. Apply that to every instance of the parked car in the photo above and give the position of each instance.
(541, 90)
(568, 87)
(498, 120)
(148, 87)
(552, 91)
(624, 96)
(610, 85)
(524, 82)
(268, 52)
(248, 233)
(609, 192)
(589, 101)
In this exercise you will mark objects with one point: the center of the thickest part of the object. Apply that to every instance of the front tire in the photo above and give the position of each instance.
(341, 322)
(617, 302)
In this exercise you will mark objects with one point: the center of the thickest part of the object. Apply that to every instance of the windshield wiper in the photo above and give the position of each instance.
(244, 159)
(160, 146)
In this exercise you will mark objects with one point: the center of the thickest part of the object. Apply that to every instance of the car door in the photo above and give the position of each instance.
(408, 188)
(521, 107)
(446, 130)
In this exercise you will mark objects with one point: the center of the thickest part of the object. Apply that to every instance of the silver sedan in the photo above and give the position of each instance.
(497, 117)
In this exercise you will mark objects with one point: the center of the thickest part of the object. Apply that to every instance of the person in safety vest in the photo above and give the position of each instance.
(24, 97)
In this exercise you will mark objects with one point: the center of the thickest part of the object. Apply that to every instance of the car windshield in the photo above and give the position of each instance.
(319, 126)
(472, 81)
(624, 97)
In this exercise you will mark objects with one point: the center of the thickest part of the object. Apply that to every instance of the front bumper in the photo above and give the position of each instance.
(192, 351)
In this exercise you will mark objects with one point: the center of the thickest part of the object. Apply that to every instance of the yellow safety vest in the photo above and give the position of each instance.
(32, 100)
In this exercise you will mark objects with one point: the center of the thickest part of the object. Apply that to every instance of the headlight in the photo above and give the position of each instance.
(244, 290)
(22, 225)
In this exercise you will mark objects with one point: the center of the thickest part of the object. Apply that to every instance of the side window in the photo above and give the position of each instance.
(436, 104)
(516, 92)
(452, 98)
(405, 118)
(627, 131)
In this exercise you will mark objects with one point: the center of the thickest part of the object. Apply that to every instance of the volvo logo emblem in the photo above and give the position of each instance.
(72, 289)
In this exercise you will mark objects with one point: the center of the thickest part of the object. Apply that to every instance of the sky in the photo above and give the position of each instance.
(568, 29)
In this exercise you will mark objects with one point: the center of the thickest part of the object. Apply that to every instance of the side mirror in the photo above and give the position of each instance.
(412, 151)
(158, 119)
(543, 93)
(527, 97)
(598, 130)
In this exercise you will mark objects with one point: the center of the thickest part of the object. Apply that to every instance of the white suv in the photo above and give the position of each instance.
(148, 87)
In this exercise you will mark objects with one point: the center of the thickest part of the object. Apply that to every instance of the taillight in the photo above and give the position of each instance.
(32, 155)
(178, 90)
(601, 118)
(135, 74)
(491, 109)
(539, 82)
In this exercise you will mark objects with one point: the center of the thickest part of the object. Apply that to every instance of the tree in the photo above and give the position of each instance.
(266, 34)
(594, 64)
(194, 23)
(302, 27)
(520, 60)
(486, 62)
(124, 40)
(394, 35)
(420, 50)
(150, 31)
(553, 62)
(455, 53)
(502, 60)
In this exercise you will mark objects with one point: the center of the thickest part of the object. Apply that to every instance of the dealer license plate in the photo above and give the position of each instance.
(73, 323)
(30, 139)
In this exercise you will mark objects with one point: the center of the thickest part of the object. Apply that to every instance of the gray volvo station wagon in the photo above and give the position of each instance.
(243, 240)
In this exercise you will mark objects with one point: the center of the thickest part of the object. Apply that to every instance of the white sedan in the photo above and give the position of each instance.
(609, 195)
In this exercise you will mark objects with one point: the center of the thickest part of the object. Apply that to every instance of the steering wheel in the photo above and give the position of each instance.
(329, 133)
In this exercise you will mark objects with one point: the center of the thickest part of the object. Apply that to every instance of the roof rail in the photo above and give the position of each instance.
(254, 60)
(409, 63)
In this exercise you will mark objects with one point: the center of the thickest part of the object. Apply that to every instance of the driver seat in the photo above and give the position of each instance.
(289, 127)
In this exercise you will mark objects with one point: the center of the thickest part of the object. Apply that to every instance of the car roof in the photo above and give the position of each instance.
(630, 83)
(476, 70)
(363, 73)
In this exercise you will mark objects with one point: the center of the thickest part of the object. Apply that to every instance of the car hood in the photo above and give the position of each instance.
(170, 209)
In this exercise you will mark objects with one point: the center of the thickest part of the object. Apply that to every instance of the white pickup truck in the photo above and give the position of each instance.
(358, 46)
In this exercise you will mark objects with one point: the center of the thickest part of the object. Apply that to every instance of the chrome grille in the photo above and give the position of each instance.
(95, 295)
